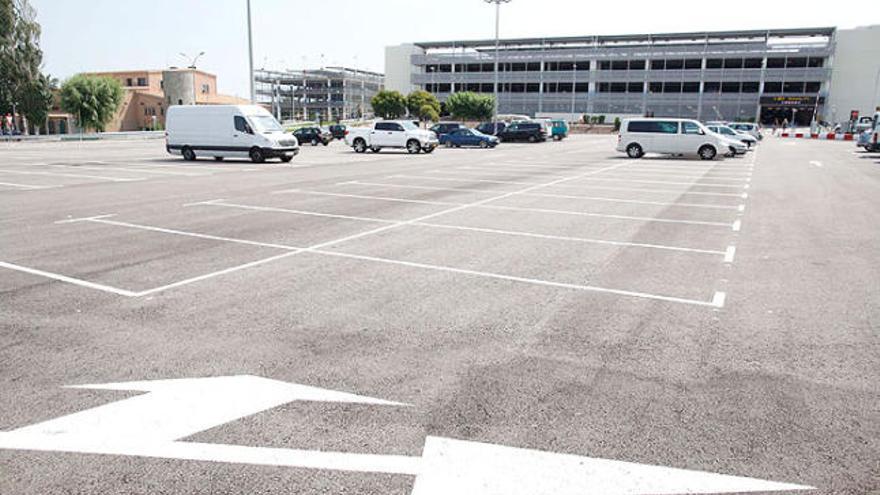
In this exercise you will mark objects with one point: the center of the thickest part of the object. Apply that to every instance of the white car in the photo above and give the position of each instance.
(672, 137)
(747, 127)
(729, 133)
(392, 134)
(227, 131)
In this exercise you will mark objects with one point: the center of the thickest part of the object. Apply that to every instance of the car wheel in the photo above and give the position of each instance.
(533, 139)
(375, 149)
(256, 155)
(360, 146)
(449, 144)
(286, 158)
(429, 149)
(707, 152)
(557, 138)
(413, 146)
(218, 158)
(326, 143)
(314, 142)
(634, 150)
(484, 144)
(188, 154)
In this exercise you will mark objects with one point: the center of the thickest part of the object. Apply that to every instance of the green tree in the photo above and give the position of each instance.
(470, 106)
(92, 100)
(35, 100)
(21, 83)
(389, 104)
(423, 105)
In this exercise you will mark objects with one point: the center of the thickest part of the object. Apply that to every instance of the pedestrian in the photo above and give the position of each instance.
(785, 124)
(775, 127)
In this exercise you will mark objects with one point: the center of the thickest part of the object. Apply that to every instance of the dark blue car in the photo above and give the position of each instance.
(468, 137)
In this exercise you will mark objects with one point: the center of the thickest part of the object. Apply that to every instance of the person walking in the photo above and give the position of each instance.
(775, 127)
(785, 125)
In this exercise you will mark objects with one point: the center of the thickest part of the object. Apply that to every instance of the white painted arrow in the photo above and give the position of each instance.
(152, 424)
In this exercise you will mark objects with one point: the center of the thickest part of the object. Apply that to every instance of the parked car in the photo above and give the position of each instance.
(313, 135)
(729, 133)
(874, 140)
(559, 129)
(442, 128)
(532, 132)
(338, 131)
(392, 134)
(491, 128)
(468, 137)
(671, 137)
(864, 140)
(752, 129)
(221, 131)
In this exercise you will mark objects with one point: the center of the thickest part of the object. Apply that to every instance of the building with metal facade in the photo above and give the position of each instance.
(328, 94)
(735, 75)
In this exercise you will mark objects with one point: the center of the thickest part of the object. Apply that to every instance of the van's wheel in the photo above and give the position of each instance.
(731, 153)
(429, 150)
(557, 137)
(188, 154)
(286, 158)
(533, 139)
(707, 152)
(256, 155)
(375, 149)
(413, 146)
(360, 146)
(314, 142)
(218, 158)
(634, 151)
(325, 143)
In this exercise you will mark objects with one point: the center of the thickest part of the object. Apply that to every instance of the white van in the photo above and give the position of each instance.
(221, 131)
(670, 137)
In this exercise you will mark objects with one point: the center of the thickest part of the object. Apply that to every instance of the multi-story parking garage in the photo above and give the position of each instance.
(328, 94)
(735, 75)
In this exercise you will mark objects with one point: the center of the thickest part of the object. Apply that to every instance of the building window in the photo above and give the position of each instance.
(813, 87)
(776, 63)
(129, 82)
(488, 67)
(671, 87)
(635, 87)
(582, 87)
(714, 63)
(486, 88)
(793, 87)
(533, 87)
(752, 63)
(730, 87)
(658, 64)
(675, 64)
(796, 62)
(816, 62)
(693, 63)
(519, 67)
(473, 68)
(604, 87)
(533, 66)
(618, 87)
(637, 65)
(142, 81)
(690, 87)
(619, 65)
(655, 87)
(750, 87)
(711, 87)
(206, 88)
(772, 87)
(733, 63)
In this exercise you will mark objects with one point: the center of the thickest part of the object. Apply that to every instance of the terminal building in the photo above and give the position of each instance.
(327, 94)
(758, 75)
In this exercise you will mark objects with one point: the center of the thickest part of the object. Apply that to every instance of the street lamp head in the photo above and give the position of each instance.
(499, 2)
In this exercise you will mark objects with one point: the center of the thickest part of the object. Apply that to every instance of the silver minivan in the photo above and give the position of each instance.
(671, 137)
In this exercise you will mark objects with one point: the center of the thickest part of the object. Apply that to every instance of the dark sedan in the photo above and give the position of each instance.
(313, 135)
(468, 137)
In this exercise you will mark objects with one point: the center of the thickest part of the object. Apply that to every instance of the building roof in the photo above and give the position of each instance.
(634, 38)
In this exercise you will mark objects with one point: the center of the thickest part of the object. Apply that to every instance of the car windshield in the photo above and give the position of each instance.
(727, 130)
(475, 132)
(409, 126)
(265, 123)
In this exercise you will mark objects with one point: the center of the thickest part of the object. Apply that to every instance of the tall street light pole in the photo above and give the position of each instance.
(573, 87)
(497, 42)
(250, 51)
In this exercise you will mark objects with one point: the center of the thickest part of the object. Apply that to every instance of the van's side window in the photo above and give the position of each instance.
(689, 128)
(388, 126)
(662, 127)
(241, 124)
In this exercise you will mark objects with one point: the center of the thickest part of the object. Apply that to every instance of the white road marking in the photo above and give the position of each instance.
(736, 225)
(635, 181)
(729, 253)
(300, 212)
(69, 280)
(618, 174)
(536, 195)
(741, 208)
(85, 219)
(152, 425)
(815, 163)
(28, 187)
(132, 169)
(79, 176)
(746, 186)
(579, 187)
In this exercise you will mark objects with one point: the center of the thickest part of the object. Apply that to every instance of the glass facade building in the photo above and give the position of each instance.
(329, 94)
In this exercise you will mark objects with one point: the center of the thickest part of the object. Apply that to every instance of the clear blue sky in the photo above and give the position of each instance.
(124, 34)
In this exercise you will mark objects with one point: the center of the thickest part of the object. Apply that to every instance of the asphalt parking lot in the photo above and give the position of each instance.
(710, 316)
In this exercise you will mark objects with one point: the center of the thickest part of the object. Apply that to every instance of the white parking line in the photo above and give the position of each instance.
(623, 174)
(737, 224)
(79, 176)
(535, 195)
(69, 280)
(716, 302)
(729, 253)
(635, 181)
(28, 187)
(580, 187)
(130, 169)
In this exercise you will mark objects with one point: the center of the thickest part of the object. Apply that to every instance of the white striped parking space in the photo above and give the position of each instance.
(592, 178)
(90, 177)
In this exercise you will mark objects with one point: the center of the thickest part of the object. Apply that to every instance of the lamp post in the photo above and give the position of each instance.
(250, 51)
(497, 24)
(192, 61)
(876, 103)
(573, 87)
